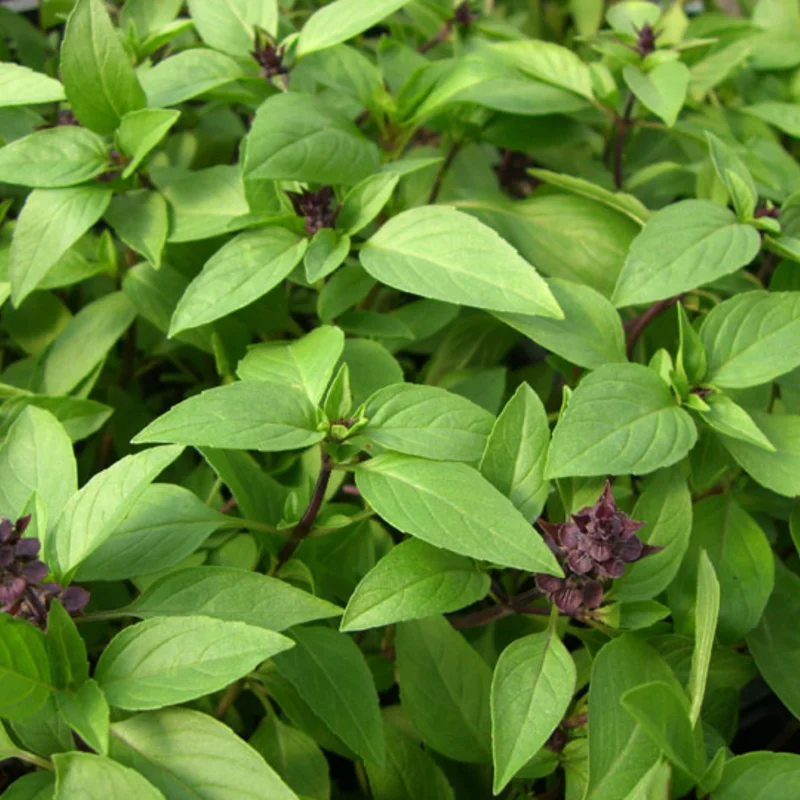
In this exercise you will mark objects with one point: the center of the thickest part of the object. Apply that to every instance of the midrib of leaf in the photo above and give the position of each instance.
(443, 575)
(611, 770)
(305, 140)
(463, 515)
(459, 705)
(100, 66)
(534, 686)
(758, 343)
(158, 764)
(626, 429)
(341, 697)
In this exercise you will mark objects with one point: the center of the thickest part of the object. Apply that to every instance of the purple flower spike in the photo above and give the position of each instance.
(591, 547)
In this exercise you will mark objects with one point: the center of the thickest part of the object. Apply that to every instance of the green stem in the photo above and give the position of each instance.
(31, 758)
(251, 524)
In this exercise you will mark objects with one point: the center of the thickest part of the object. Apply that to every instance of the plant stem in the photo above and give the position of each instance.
(251, 524)
(32, 758)
(229, 698)
(303, 528)
(516, 605)
(623, 123)
(635, 327)
(443, 168)
(441, 36)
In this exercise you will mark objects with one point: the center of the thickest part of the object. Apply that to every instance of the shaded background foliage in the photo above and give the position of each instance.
(467, 335)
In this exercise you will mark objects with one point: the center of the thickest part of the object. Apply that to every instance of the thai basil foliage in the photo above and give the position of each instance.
(400, 399)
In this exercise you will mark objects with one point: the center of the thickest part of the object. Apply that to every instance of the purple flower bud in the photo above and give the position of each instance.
(6, 530)
(27, 548)
(11, 589)
(34, 571)
(316, 208)
(74, 599)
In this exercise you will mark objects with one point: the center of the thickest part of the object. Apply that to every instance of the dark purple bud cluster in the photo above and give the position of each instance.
(316, 208)
(22, 593)
(592, 547)
(512, 174)
(464, 15)
(646, 40)
(270, 59)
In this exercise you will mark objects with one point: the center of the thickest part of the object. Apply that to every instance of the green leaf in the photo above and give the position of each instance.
(69, 663)
(364, 202)
(189, 755)
(85, 342)
(98, 77)
(326, 252)
(589, 335)
(36, 456)
(80, 417)
(441, 253)
(205, 203)
(549, 62)
(341, 20)
(665, 506)
(141, 131)
(662, 90)
(148, 16)
(92, 777)
(629, 16)
(20, 86)
(331, 675)
(784, 116)
(33, 786)
(735, 177)
(569, 236)
(141, 221)
(516, 451)
(742, 557)
(295, 756)
(445, 689)
(92, 514)
(232, 595)
(306, 363)
(766, 326)
(165, 525)
(258, 495)
(712, 70)
(240, 272)
(427, 421)
(186, 75)
(54, 158)
(414, 580)
(775, 642)
(759, 776)
(371, 367)
(410, 773)
(451, 505)
(296, 137)
(626, 204)
(662, 711)
(691, 360)
(166, 661)
(683, 246)
(50, 222)
(620, 750)
(86, 712)
(532, 687)
(229, 25)
(732, 421)
(706, 614)
(249, 415)
(24, 669)
(621, 419)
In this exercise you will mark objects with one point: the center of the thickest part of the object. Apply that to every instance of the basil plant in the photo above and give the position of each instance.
(400, 399)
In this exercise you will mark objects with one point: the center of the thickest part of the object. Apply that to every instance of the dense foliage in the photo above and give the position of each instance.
(400, 400)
